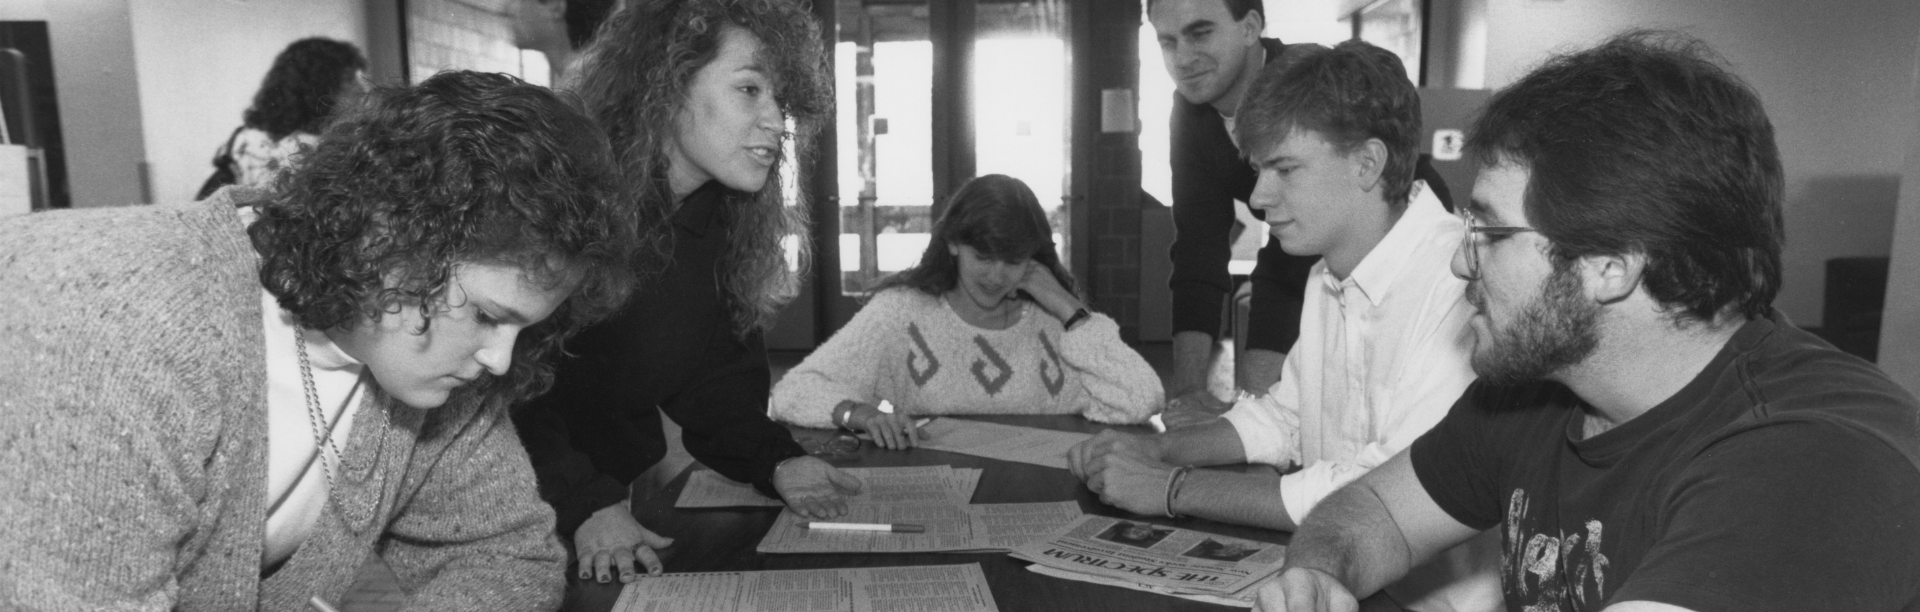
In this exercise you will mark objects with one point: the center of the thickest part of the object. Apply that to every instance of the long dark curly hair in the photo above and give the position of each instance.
(997, 215)
(635, 78)
(303, 87)
(463, 167)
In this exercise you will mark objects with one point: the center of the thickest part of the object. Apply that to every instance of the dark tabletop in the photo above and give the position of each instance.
(723, 539)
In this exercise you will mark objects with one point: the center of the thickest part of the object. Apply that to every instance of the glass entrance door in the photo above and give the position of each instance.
(929, 95)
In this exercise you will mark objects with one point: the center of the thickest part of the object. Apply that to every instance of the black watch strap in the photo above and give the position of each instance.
(1079, 315)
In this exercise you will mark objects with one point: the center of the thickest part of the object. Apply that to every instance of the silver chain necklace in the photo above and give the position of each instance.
(321, 441)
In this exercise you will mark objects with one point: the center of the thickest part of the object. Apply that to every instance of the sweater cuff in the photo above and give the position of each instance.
(765, 484)
(1197, 307)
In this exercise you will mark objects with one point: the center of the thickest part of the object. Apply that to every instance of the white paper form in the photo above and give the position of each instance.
(950, 528)
(1043, 447)
(954, 588)
(928, 588)
(922, 484)
(1010, 526)
(925, 484)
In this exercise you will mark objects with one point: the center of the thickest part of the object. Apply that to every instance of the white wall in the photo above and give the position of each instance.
(200, 63)
(1899, 352)
(1836, 79)
(93, 64)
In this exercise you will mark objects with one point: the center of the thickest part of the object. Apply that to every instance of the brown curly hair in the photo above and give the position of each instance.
(635, 78)
(463, 167)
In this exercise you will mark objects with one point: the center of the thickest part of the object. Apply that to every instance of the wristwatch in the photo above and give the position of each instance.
(840, 415)
(1079, 315)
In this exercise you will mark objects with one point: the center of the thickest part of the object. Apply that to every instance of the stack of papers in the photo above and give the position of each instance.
(934, 497)
(937, 483)
(1156, 558)
(1044, 447)
(948, 588)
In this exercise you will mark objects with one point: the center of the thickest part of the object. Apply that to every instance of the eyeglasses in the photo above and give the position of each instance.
(1472, 247)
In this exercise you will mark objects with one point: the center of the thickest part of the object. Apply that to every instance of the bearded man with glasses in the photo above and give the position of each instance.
(1647, 433)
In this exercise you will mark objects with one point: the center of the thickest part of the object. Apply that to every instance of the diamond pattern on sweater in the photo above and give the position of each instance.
(920, 376)
(1058, 379)
(992, 385)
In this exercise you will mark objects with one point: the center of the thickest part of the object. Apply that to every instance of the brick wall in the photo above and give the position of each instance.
(1110, 44)
(464, 34)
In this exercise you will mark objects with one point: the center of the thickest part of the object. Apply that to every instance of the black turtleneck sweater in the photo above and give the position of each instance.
(673, 347)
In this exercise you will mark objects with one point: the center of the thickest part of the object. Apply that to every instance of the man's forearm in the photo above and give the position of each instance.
(1353, 537)
(1234, 497)
(1259, 369)
(1213, 443)
(1192, 353)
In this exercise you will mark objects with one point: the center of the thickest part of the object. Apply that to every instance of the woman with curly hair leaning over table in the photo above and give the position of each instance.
(204, 408)
(696, 97)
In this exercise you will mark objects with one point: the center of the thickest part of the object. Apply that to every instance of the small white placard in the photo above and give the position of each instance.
(16, 183)
(1116, 111)
(1447, 144)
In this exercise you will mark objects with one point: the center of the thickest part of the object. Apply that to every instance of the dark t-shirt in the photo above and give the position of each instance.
(1786, 476)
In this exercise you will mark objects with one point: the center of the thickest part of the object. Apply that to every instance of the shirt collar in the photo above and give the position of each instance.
(322, 353)
(1377, 271)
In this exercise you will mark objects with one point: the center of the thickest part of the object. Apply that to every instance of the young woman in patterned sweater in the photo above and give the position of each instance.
(986, 323)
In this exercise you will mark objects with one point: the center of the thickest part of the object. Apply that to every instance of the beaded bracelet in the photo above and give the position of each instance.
(1174, 480)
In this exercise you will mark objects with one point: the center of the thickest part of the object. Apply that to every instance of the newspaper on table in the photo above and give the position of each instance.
(1177, 560)
(941, 588)
(950, 527)
(1043, 447)
(708, 489)
(1245, 598)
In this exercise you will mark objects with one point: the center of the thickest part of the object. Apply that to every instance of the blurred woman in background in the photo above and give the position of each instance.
(309, 80)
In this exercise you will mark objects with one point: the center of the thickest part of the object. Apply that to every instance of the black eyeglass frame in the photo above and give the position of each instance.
(1472, 247)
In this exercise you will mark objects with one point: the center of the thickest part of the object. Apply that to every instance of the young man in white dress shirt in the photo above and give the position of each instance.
(1384, 339)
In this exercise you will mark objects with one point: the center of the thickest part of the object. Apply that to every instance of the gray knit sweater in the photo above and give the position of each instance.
(133, 444)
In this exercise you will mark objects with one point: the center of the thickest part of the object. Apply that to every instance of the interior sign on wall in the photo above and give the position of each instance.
(1117, 114)
(1447, 144)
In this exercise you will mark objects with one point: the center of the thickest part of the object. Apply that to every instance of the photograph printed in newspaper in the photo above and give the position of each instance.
(1157, 555)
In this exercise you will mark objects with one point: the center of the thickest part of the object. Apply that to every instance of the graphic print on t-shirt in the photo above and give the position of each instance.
(1538, 568)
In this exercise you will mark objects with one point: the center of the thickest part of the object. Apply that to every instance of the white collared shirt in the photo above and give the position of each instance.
(293, 470)
(1382, 356)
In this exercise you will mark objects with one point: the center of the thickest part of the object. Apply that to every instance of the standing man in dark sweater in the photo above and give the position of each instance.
(1213, 51)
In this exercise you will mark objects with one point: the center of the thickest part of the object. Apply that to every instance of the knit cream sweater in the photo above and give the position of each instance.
(911, 349)
(133, 441)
